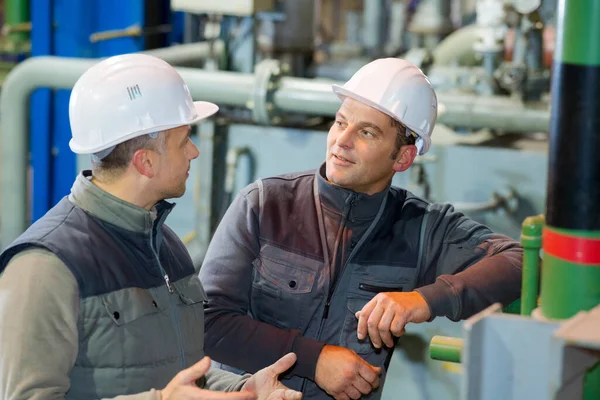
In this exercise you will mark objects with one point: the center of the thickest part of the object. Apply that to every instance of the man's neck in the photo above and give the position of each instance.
(127, 191)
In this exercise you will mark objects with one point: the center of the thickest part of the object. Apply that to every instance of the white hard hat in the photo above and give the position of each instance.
(127, 96)
(399, 89)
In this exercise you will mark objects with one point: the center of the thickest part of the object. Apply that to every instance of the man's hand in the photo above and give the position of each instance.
(265, 383)
(345, 375)
(387, 314)
(183, 386)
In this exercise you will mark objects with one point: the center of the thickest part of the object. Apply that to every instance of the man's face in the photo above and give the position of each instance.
(174, 164)
(359, 148)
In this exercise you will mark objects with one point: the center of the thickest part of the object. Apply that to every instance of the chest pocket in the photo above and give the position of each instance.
(282, 288)
(128, 314)
(110, 326)
(365, 283)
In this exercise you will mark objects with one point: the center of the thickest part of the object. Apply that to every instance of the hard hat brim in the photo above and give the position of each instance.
(204, 109)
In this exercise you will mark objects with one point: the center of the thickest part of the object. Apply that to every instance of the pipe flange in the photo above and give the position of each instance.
(267, 76)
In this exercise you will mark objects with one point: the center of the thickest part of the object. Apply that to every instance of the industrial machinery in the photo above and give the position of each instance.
(269, 64)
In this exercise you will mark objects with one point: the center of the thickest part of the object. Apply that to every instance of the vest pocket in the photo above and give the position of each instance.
(127, 305)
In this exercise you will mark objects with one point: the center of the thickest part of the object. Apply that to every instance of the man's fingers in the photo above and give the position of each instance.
(397, 325)
(292, 395)
(210, 395)
(369, 373)
(195, 371)
(362, 385)
(284, 394)
(352, 392)
(363, 316)
(192, 392)
(283, 364)
(385, 326)
(373, 325)
(341, 396)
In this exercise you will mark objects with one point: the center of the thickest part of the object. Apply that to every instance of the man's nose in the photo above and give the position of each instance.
(346, 138)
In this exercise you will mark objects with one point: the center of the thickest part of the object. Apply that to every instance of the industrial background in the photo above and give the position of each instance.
(518, 135)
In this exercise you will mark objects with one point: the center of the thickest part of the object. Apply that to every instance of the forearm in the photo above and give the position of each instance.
(494, 278)
(242, 342)
(224, 381)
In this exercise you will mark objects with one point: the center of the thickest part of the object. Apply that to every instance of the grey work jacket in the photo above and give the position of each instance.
(295, 257)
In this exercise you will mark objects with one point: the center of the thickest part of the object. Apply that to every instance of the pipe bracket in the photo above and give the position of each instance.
(268, 74)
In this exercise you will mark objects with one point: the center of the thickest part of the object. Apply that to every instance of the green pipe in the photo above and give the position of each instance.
(571, 264)
(16, 21)
(531, 240)
(446, 348)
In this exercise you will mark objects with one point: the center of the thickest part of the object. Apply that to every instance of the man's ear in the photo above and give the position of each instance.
(405, 158)
(145, 162)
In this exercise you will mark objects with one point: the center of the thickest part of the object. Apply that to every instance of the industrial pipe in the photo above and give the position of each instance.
(184, 54)
(531, 240)
(571, 238)
(457, 110)
(295, 95)
(446, 348)
(457, 48)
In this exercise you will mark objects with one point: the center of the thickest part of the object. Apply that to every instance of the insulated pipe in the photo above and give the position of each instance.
(457, 48)
(457, 110)
(183, 54)
(571, 268)
(446, 348)
(571, 238)
(296, 95)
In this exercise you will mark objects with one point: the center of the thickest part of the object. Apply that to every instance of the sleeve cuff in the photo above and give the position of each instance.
(441, 299)
(308, 351)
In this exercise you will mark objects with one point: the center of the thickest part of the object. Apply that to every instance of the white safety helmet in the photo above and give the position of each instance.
(399, 89)
(127, 96)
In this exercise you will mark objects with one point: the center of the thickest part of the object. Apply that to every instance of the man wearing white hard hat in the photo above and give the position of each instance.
(99, 298)
(332, 264)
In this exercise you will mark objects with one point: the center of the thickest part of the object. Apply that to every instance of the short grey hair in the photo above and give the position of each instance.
(119, 158)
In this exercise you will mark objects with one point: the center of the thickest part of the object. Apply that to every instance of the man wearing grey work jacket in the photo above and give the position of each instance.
(332, 264)
(99, 298)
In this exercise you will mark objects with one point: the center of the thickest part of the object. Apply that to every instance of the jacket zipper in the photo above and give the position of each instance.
(336, 274)
(172, 305)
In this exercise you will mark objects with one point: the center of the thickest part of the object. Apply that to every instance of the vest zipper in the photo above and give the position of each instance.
(172, 305)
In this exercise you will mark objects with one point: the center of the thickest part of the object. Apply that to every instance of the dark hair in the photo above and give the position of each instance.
(401, 138)
(114, 164)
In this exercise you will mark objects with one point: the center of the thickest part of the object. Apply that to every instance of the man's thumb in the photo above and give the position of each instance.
(284, 363)
(195, 371)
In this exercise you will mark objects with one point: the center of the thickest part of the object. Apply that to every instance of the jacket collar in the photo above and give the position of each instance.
(114, 210)
(364, 206)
